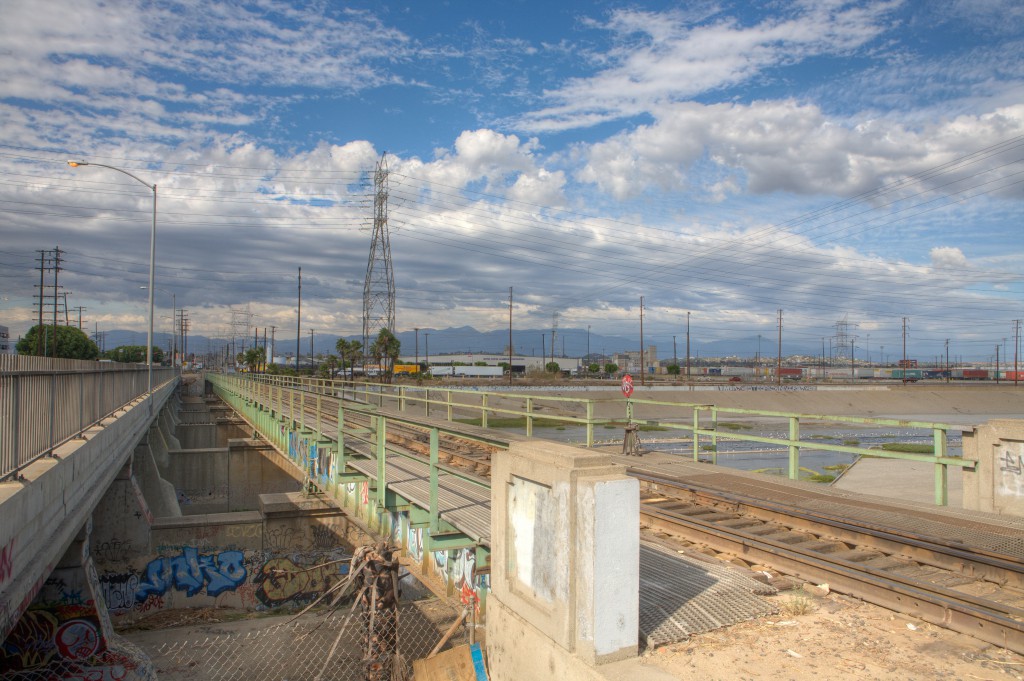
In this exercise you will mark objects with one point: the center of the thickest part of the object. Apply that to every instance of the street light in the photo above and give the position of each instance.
(152, 264)
(174, 327)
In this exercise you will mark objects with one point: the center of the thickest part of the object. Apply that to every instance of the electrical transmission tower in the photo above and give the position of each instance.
(843, 340)
(379, 289)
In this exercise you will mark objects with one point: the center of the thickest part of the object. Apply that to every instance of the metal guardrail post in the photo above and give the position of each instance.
(426, 403)
(381, 462)
(435, 521)
(529, 417)
(319, 416)
(590, 423)
(714, 435)
(448, 399)
(53, 412)
(483, 410)
(941, 470)
(401, 398)
(342, 459)
(696, 435)
(794, 448)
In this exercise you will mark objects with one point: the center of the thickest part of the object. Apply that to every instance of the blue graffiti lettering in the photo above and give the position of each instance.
(190, 571)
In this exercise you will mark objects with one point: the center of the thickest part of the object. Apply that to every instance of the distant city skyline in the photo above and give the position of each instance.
(858, 160)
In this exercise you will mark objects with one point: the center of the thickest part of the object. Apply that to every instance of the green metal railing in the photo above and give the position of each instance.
(271, 405)
(700, 421)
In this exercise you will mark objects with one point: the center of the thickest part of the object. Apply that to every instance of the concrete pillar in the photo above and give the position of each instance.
(996, 485)
(122, 522)
(66, 633)
(167, 425)
(159, 493)
(565, 577)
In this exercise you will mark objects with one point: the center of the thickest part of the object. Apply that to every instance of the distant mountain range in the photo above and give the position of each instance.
(568, 342)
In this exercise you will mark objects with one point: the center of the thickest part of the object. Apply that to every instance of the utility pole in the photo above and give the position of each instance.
(947, 360)
(687, 346)
(675, 359)
(56, 271)
(588, 343)
(1016, 349)
(312, 332)
(273, 330)
(298, 324)
(427, 341)
(853, 361)
(510, 335)
(543, 350)
(904, 363)
(997, 363)
(778, 363)
(643, 368)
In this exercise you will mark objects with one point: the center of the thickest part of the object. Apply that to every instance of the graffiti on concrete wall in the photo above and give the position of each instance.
(283, 582)
(1011, 470)
(66, 642)
(325, 466)
(414, 543)
(6, 562)
(191, 571)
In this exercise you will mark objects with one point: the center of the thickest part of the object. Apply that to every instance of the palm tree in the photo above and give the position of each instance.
(350, 351)
(385, 351)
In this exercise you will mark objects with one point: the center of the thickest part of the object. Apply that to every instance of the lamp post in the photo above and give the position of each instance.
(174, 323)
(152, 263)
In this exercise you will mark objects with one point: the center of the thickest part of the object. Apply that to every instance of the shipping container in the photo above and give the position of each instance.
(791, 372)
(970, 374)
(907, 374)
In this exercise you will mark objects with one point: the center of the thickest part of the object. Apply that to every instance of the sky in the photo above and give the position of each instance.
(857, 163)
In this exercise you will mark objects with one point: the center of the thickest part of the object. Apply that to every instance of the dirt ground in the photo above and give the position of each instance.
(834, 637)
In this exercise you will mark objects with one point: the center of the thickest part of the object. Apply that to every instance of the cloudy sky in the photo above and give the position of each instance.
(857, 161)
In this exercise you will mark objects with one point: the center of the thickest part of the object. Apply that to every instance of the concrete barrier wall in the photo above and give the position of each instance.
(565, 562)
(996, 485)
(42, 515)
(229, 479)
(281, 556)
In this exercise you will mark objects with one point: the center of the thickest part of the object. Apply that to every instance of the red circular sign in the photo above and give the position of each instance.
(627, 385)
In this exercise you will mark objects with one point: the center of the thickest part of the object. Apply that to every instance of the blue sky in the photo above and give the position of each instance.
(836, 160)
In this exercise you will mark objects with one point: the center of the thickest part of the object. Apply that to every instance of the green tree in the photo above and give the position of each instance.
(385, 351)
(328, 368)
(133, 354)
(594, 367)
(254, 359)
(72, 343)
(673, 369)
(611, 368)
(552, 367)
(351, 352)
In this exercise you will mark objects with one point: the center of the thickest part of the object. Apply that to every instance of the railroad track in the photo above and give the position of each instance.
(946, 582)
(976, 592)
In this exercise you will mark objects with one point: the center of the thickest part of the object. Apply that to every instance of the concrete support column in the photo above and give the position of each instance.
(996, 485)
(158, 493)
(66, 633)
(565, 562)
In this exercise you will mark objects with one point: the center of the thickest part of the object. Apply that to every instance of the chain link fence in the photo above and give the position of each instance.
(326, 646)
(322, 646)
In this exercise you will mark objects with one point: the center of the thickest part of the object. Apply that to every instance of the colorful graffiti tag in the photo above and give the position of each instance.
(66, 642)
(282, 581)
(190, 572)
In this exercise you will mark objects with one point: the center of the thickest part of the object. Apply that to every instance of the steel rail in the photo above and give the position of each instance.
(972, 561)
(991, 622)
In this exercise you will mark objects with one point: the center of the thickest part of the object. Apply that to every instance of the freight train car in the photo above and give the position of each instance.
(970, 374)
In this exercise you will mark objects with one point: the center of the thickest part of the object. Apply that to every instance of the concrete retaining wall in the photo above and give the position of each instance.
(996, 485)
(229, 479)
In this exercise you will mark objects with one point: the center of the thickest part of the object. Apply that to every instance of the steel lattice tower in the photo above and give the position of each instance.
(379, 289)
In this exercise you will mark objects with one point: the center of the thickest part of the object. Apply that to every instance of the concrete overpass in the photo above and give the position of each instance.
(111, 494)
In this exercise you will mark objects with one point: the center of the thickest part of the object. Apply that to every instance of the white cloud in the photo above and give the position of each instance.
(786, 146)
(663, 57)
(944, 257)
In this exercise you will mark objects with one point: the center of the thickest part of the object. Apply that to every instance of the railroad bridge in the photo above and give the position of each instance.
(234, 490)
